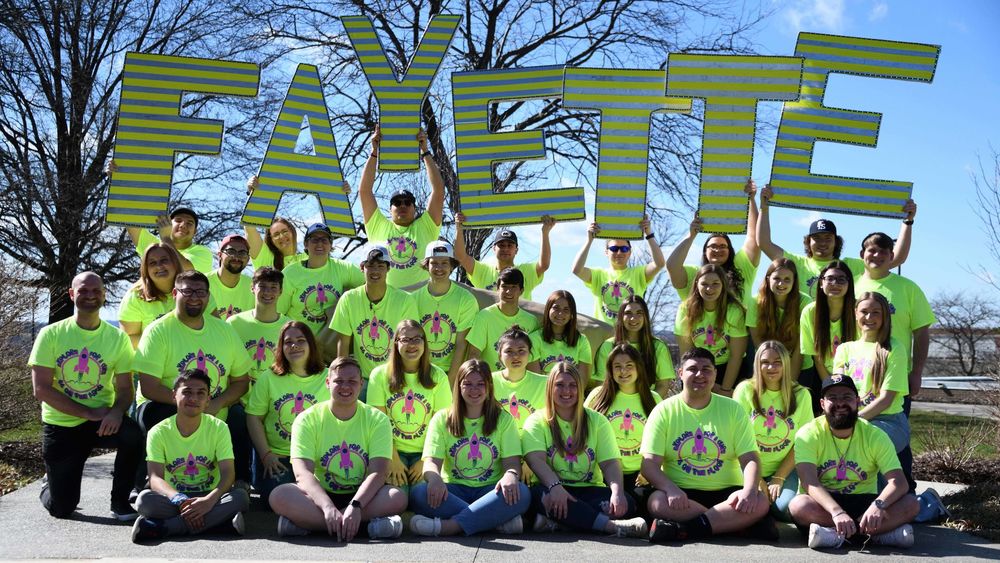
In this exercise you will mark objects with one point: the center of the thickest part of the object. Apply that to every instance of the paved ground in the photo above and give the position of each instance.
(975, 411)
(28, 533)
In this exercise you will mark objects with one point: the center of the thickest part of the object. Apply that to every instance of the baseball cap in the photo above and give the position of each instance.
(377, 252)
(402, 195)
(822, 226)
(506, 235)
(439, 249)
(318, 227)
(185, 211)
(230, 238)
(838, 380)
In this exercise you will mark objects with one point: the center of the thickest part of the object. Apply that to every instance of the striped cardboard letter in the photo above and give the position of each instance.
(151, 130)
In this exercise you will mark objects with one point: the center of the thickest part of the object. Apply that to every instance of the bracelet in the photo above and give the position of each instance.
(514, 471)
(552, 486)
(426, 153)
(782, 479)
(178, 499)
(650, 236)
(908, 221)
(842, 511)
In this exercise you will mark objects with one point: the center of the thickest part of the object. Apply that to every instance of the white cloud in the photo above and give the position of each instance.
(879, 11)
(816, 15)
(807, 219)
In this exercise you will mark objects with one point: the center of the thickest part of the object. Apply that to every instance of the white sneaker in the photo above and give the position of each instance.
(822, 536)
(385, 527)
(239, 524)
(425, 526)
(287, 528)
(544, 525)
(900, 537)
(632, 528)
(512, 527)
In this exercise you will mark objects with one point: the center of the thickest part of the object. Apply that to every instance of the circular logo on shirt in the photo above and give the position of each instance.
(628, 426)
(612, 295)
(409, 411)
(520, 409)
(289, 406)
(346, 465)
(402, 252)
(699, 452)
(374, 337)
(80, 372)
(841, 476)
(574, 468)
(316, 299)
(207, 363)
(772, 430)
(548, 361)
(440, 331)
(713, 339)
(261, 353)
(191, 474)
(472, 458)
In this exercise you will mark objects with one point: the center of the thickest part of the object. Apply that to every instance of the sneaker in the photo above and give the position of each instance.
(424, 526)
(123, 512)
(663, 531)
(287, 528)
(513, 526)
(145, 529)
(544, 525)
(133, 496)
(764, 529)
(241, 484)
(930, 501)
(386, 527)
(822, 536)
(900, 537)
(239, 524)
(632, 528)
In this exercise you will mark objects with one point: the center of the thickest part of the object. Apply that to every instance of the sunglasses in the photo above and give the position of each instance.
(623, 249)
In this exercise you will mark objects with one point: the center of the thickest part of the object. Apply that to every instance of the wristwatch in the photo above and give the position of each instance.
(879, 504)
(356, 503)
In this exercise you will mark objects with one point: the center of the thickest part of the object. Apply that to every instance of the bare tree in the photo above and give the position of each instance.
(499, 34)
(19, 303)
(968, 329)
(60, 68)
(987, 183)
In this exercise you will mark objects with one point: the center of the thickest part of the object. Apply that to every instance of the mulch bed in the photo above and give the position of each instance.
(20, 464)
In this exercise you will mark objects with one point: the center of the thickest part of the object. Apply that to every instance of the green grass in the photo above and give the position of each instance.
(935, 430)
(29, 431)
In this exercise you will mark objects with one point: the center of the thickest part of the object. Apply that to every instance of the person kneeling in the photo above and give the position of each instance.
(838, 460)
(700, 455)
(340, 455)
(191, 471)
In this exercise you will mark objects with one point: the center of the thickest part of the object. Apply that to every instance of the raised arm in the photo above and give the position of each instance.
(750, 247)
(580, 269)
(675, 263)
(772, 250)
(253, 235)
(366, 189)
(655, 251)
(435, 205)
(467, 262)
(902, 248)
(545, 256)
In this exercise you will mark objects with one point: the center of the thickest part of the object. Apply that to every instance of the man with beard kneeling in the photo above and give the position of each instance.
(839, 457)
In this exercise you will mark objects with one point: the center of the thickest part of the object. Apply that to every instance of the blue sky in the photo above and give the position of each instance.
(930, 135)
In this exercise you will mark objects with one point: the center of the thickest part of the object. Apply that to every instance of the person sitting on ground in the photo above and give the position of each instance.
(340, 455)
(700, 455)
(472, 464)
(191, 471)
(838, 458)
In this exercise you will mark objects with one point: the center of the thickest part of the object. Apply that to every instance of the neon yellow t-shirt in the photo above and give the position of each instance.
(169, 347)
(260, 340)
(773, 429)
(191, 464)
(406, 245)
(627, 419)
(807, 335)
(443, 318)
(134, 310)
(706, 332)
(372, 325)
(84, 364)
(411, 408)
(341, 450)
(808, 270)
(230, 301)
(266, 258)
(199, 255)
(848, 466)
(473, 459)
(907, 304)
(282, 398)
(484, 275)
(582, 469)
(308, 292)
(520, 399)
(547, 354)
(856, 359)
(490, 324)
(700, 448)
(664, 364)
(611, 287)
(752, 319)
(743, 265)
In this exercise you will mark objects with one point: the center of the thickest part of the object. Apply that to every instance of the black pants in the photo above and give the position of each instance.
(65, 450)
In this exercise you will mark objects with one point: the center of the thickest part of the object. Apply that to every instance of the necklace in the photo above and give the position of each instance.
(841, 461)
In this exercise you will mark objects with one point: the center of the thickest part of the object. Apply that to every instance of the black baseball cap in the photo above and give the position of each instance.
(838, 380)
(185, 211)
(318, 228)
(506, 234)
(402, 195)
(822, 226)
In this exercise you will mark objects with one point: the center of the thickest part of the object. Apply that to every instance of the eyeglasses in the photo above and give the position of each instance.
(623, 249)
(193, 292)
(410, 339)
(717, 247)
(233, 253)
(835, 280)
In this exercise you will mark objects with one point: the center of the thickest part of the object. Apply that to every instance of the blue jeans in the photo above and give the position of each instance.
(476, 509)
(897, 426)
(265, 484)
(587, 512)
(790, 488)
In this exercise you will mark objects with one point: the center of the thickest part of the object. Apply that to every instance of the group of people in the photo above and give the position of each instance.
(345, 395)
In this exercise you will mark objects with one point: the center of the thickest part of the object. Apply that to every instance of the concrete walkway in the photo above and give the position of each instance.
(27, 532)
(960, 409)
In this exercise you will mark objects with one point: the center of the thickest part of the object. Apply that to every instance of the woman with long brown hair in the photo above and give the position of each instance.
(150, 298)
